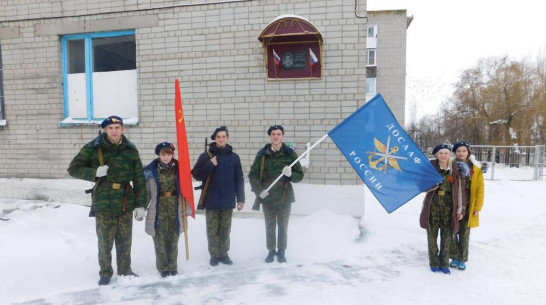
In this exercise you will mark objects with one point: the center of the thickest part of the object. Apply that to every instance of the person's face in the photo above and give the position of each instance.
(221, 138)
(114, 132)
(165, 157)
(276, 137)
(461, 153)
(443, 155)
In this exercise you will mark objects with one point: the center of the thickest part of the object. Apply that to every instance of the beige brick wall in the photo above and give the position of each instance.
(213, 50)
(391, 58)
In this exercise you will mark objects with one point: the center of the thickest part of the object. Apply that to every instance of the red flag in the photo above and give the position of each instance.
(184, 170)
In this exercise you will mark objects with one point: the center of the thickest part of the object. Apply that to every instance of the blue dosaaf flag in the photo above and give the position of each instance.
(383, 155)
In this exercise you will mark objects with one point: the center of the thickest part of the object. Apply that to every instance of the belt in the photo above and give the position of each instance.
(443, 193)
(115, 186)
(167, 194)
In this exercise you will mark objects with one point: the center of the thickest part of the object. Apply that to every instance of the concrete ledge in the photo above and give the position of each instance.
(109, 24)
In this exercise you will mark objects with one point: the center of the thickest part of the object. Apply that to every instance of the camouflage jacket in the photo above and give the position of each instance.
(273, 165)
(124, 167)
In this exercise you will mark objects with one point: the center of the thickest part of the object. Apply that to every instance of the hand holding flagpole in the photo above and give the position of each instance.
(265, 193)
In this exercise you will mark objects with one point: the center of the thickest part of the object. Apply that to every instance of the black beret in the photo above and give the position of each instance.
(221, 128)
(275, 127)
(160, 146)
(111, 120)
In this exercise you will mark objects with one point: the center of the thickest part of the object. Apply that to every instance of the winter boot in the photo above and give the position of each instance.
(131, 273)
(164, 274)
(225, 260)
(445, 270)
(173, 273)
(434, 269)
(280, 256)
(461, 266)
(104, 280)
(214, 261)
(454, 263)
(271, 256)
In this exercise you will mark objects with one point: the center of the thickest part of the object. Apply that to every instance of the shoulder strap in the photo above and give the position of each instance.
(200, 205)
(101, 162)
(262, 168)
(99, 151)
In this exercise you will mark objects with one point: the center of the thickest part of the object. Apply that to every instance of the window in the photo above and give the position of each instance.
(371, 37)
(100, 78)
(371, 31)
(371, 86)
(2, 109)
(370, 55)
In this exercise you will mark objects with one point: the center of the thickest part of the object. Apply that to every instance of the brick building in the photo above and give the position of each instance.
(66, 64)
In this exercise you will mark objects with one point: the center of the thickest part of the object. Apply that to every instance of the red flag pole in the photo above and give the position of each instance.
(184, 170)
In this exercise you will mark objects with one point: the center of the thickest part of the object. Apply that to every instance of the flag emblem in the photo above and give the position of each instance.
(312, 58)
(388, 159)
(276, 58)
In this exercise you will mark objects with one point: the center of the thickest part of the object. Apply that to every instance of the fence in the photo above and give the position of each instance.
(510, 162)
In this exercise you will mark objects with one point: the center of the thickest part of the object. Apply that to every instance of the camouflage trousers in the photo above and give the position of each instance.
(276, 215)
(440, 220)
(119, 229)
(218, 230)
(166, 236)
(459, 244)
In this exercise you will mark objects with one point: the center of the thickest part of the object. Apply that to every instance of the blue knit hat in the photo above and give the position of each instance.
(275, 127)
(441, 146)
(160, 146)
(221, 128)
(459, 144)
(113, 119)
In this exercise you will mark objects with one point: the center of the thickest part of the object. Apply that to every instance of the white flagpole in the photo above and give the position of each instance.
(266, 192)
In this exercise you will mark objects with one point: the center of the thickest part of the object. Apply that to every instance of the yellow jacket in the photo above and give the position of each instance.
(476, 196)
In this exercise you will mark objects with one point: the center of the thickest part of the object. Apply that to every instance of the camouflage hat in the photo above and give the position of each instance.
(111, 120)
(163, 145)
(275, 127)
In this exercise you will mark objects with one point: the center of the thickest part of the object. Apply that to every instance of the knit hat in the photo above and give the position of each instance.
(440, 147)
(111, 120)
(275, 127)
(459, 144)
(163, 145)
(221, 128)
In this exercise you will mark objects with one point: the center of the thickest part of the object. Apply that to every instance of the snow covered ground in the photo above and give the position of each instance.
(48, 254)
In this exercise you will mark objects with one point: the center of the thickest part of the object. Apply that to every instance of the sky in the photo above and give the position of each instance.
(48, 252)
(447, 37)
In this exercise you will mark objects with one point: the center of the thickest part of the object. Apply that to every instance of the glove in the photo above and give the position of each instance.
(102, 171)
(287, 171)
(140, 213)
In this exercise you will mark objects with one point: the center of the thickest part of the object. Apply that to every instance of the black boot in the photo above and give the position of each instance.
(164, 274)
(214, 261)
(280, 256)
(173, 273)
(225, 260)
(104, 280)
(271, 256)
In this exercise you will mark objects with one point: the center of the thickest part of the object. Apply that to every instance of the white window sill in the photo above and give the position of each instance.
(71, 122)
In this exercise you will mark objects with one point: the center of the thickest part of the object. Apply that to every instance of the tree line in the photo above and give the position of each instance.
(500, 101)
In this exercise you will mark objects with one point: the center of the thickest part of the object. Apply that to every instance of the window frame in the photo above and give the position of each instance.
(88, 53)
(368, 51)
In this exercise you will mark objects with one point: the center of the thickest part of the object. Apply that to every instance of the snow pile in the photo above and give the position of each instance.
(48, 254)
